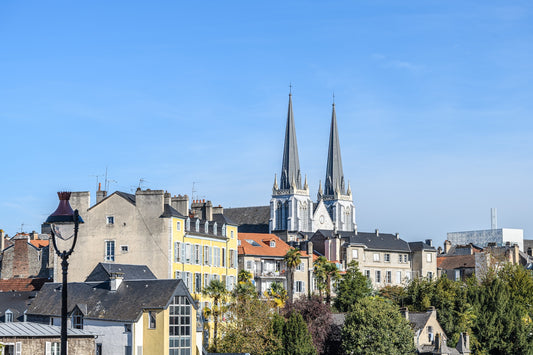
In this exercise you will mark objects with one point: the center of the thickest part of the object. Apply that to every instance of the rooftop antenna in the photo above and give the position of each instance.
(290, 88)
(97, 180)
(141, 182)
(193, 190)
(493, 218)
(22, 228)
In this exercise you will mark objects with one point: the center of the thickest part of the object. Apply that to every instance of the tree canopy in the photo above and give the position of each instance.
(352, 287)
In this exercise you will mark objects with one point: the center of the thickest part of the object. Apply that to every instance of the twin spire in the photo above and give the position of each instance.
(290, 169)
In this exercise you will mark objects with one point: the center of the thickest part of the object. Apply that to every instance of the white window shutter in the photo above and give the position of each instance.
(48, 348)
(18, 348)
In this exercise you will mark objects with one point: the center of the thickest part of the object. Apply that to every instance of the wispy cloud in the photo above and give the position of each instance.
(388, 62)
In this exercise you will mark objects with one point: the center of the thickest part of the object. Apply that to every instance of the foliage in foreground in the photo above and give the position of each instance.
(352, 287)
(375, 326)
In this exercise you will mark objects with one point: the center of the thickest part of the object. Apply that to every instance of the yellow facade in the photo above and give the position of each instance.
(198, 257)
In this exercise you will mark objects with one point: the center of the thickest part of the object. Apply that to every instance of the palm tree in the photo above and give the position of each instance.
(244, 276)
(332, 275)
(218, 292)
(326, 273)
(292, 260)
(277, 293)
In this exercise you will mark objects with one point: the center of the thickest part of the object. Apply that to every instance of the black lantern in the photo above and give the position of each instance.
(64, 223)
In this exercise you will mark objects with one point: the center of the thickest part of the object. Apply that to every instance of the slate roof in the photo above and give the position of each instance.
(419, 320)
(170, 211)
(250, 219)
(16, 302)
(262, 247)
(102, 272)
(221, 219)
(419, 246)
(126, 304)
(456, 262)
(29, 329)
(382, 241)
(129, 197)
(23, 284)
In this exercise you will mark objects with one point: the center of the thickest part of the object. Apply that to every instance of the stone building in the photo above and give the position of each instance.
(27, 256)
(386, 259)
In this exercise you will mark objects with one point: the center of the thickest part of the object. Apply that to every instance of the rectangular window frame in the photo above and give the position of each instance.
(110, 251)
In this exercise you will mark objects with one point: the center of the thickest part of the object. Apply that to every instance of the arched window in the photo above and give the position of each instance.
(197, 225)
(279, 216)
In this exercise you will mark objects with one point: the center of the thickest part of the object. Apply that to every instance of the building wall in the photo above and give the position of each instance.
(23, 260)
(400, 271)
(482, 238)
(76, 346)
(424, 262)
(136, 226)
(155, 341)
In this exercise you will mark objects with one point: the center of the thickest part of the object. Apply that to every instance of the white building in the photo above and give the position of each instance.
(481, 238)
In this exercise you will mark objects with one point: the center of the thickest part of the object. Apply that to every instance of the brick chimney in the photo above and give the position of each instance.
(20, 257)
(202, 209)
(181, 204)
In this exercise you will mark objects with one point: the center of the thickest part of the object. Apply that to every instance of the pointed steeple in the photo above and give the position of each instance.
(319, 194)
(290, 170)
(275, 187)
(334, 174)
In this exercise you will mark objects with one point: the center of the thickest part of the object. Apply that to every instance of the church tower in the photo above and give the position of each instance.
(337, 199)
(291, 207)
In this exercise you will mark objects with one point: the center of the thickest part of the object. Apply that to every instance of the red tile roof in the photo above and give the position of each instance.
(21, 285)
(39, 243)
(262, 245)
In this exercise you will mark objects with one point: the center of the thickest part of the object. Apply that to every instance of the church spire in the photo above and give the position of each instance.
(334, 174)
(290, 170)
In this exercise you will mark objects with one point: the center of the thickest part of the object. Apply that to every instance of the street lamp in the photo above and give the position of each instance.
(64, 223)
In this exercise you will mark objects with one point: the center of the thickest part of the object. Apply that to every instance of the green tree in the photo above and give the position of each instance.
(277, 294)
(218, 292)
(244, 276)
(292, 260)
(352, 287)
(326, 273)
(296, 337)
(319, 273)
(375, 326)
(252, 327)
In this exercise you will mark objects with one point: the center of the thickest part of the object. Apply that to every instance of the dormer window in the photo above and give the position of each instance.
(8, 316)
(197, 225)
(188, 224)
(215, 228)
(206, 227)
(224, 230)
(272, 243)
(77, 319)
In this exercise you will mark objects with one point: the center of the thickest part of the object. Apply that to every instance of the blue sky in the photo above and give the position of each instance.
(433, 103)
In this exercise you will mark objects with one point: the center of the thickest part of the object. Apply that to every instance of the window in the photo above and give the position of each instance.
(233, 259)
(177, 274)
(272, 244)
(386, 258)
(206, 227)
(178, 225)
(177, 252)
(188, 224)
(215, 232)
(300, 267)
(388, 277)
(230, 283)
(223, 258)
(197, 225)
(187, 278)
(232, 235)
(124, 249)
(180, 326)
(151, 320)
(376, 256)
(188, 253)
(378, 276)
(98, 349)
(430, 334)
(430, 275)
(206, 280)
(398, 277)
(355, 254)
(110, 220)
(8, 316)
(299, 286)
(197, 254)
(54, 348)
(405, 258)
(77, 319)
(408, 275)
(198, 283)
(457, 275)
(127, 328)
(367, 274)
(109, 250)
(216, 256)
(429, 257)
(206, 255)
(224, 230)
(400, 258)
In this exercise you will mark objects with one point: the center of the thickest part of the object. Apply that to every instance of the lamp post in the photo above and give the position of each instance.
(64, 223)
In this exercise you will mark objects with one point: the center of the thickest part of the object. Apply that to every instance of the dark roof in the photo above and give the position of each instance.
(223, 219)
(419, 319)
(102, 272)
(16, 302)
(250, 219)
(456, 262)
(381, 241)
(29, 329)
(170, 211)
(127, 196)
(125, 304)
(419, 246)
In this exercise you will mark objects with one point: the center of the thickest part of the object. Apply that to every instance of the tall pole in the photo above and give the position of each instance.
(64, 264)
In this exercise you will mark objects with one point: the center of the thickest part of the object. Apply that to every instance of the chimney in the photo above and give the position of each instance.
(377, 232)
(20, 257)
(167, 198)
(397, 235)
(2, 241)
(447, 246)
(80, 201)
(208, 208)
(34, 235)
(405, 312)
(100, 195)
(310, 248)
(218, 209)
(429, 242)
(463, 345)
(181, 204)
(115, 279)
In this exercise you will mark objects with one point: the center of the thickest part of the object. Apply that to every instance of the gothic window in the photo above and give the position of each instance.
(279, 216)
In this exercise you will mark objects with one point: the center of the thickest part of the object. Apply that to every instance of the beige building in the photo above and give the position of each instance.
(384, 258)
(158, 230)
(263, 256)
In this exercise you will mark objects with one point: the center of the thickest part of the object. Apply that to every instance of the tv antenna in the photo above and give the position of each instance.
(193, 190)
